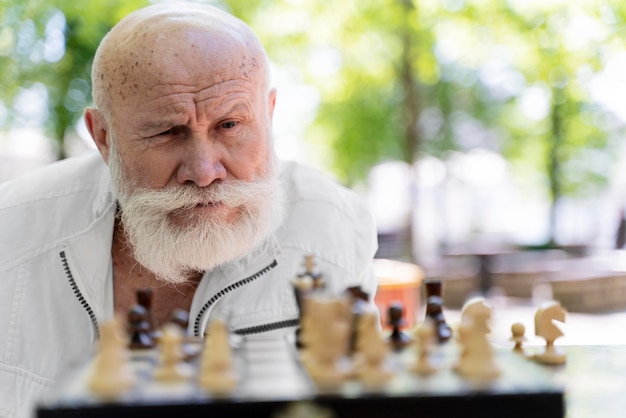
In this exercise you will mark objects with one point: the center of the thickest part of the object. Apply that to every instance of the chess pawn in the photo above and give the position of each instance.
(145, 297)
(434, 309)
(372, 351)
(424, 336)
(545, 328)
(398, 339)
(171, 366)
(111, 375)
(517, 336)
(216, 368)
(138, 329)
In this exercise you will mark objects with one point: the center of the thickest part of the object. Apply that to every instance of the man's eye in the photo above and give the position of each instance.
(166, 133)
(228, 125)
(175, 131)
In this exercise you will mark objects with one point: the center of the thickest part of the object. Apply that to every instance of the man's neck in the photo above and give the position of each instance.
(129, 276)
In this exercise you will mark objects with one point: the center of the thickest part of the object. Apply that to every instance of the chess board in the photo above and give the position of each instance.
(273, 383)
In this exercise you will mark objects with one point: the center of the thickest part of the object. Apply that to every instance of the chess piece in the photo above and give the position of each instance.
(359, 300)
(171, 366)
(477, 360)
(309, 272)
(216, 368)
(434, 309)
(476, 311)
(138, 328)
(518, 331)
(111, 375)
(144, 298)
(545, 328)
(424, 336)
(180, 317)
(309, 280)
(327, 337)
(303, 285)
(371, 352)
(395, 315)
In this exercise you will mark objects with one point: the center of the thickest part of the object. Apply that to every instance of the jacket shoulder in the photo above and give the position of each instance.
(303, 183)
(48, 205)
(327, 219)
(59, 178)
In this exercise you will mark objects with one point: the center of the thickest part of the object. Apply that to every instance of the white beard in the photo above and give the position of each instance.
(172, 251)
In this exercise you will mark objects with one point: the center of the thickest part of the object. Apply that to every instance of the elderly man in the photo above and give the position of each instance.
(185, 197)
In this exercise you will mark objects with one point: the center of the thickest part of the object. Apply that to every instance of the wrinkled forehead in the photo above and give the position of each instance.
(177, 43)
(147, 24)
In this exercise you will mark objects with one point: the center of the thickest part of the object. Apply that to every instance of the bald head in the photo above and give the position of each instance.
(136, 55)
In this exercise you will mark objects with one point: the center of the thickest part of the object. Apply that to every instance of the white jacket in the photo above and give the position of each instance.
(56, 228)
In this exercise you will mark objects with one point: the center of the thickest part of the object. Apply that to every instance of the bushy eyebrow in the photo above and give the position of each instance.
(158, 125)
(162, 124)
(239, 106)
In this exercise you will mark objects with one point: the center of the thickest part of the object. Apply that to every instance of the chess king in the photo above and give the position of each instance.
(185, 196)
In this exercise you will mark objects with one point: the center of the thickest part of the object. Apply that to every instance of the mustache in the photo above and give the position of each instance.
(180, 198)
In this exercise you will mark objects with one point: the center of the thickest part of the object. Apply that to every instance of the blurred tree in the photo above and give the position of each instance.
(532, 64)
(46, 47)
(398, 79)
(422, 77)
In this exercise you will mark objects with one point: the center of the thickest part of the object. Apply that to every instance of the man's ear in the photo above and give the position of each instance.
(271, 103)
(99, 131)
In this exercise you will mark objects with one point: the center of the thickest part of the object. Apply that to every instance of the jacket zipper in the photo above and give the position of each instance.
(228, 289)
(268, 327)
(205, 307)
(79, 295)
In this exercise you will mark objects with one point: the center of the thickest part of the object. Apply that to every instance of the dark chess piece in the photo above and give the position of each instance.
(434, 309)
(144, 298)
(138, 329)
(180, 317)
(398, 339)
(359, 302)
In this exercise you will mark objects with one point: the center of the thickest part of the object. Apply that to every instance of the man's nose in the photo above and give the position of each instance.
(202, 163)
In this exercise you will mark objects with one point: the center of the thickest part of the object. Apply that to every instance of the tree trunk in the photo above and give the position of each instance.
(554, 163)
(411, 109)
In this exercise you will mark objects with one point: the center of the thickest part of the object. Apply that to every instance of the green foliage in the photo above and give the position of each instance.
(51, 45)
(414, 77)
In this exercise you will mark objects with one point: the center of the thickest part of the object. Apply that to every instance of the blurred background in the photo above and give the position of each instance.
(486, 135)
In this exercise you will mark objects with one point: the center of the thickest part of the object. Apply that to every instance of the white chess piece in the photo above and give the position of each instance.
(371, 352)
(477, 360)
(216, 368)
(518, 331)
(171, 366)
(545, 328)
(424, 336)
(111, 375)
(327, 337)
